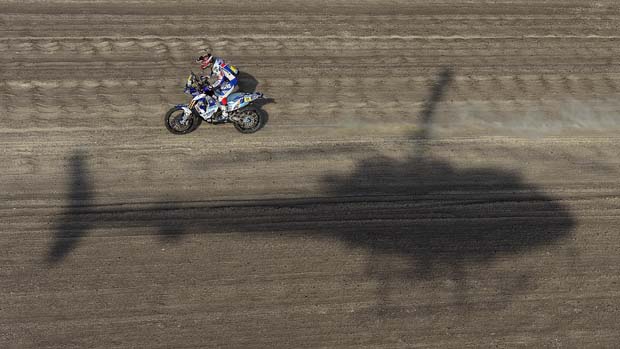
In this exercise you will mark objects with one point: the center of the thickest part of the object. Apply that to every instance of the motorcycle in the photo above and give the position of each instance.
(185, 118)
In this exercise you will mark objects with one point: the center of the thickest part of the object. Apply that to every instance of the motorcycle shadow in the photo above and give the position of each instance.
(248, 83)
(263, 113)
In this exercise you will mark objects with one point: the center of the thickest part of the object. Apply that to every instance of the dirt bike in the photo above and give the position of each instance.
(185, 118)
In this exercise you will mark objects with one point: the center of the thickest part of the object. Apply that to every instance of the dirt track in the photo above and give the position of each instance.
(432, 173)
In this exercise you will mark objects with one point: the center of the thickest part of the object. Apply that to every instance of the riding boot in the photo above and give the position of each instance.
(224, 115)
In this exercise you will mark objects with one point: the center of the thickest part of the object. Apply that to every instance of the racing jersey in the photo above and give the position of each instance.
(223, 72)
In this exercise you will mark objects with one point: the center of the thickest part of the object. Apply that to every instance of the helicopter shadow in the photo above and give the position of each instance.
(445, 221)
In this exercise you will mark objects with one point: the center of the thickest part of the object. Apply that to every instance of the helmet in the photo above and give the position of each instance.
(205, 61)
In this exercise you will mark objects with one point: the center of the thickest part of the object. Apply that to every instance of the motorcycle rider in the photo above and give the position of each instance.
(226, 80)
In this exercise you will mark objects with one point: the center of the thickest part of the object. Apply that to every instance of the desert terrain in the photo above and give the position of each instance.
(430, 174)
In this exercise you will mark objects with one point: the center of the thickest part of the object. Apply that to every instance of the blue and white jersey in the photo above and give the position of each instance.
(223, 73)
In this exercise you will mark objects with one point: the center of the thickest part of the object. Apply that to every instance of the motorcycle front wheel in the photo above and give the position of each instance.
(176, 125)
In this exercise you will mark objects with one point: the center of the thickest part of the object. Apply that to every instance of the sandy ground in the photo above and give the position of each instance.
(432, 174)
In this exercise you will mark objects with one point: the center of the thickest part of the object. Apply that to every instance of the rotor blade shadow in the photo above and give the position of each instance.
(74, 222)
(429, 108)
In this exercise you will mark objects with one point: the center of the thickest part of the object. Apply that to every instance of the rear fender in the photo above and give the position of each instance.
(246, 100)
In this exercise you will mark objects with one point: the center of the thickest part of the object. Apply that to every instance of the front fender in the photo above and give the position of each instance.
(185, 108)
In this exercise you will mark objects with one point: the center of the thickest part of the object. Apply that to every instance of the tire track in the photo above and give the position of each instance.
(345, 91)
(430, 44)
(327, 86)
(474, 22)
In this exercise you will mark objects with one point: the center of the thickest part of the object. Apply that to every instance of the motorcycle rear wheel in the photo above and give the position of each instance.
(250, 120)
